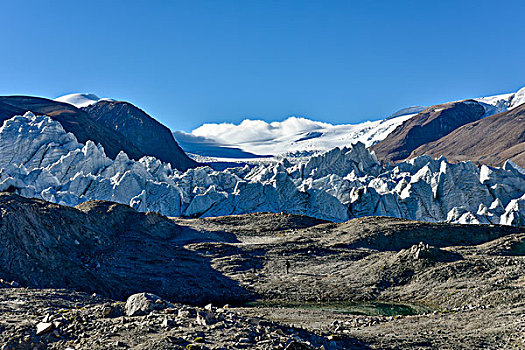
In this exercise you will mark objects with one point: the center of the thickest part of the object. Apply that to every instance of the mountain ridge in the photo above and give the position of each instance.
(85, 127)
(427, 126)
(491, 140)
(148, 134)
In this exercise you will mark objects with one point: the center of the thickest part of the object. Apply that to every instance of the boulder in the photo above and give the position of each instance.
(143, 303)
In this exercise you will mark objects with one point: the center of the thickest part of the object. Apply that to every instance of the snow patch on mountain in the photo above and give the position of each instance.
(407, 110)
(505, 102)
(81, 100)
(39, 159)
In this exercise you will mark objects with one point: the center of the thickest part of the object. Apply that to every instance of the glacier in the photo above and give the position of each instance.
(39, 159)
(504, 102)
(294, 135)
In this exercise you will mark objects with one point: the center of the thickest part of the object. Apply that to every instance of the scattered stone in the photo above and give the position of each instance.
(106, 311)
(186, 313)
(43, 328)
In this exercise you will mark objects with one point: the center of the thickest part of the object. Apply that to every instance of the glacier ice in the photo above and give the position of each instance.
(39, 159)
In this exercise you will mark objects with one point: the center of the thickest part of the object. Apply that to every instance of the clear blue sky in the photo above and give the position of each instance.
(190, 62)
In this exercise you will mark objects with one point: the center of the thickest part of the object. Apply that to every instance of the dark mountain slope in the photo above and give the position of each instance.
(106, 248)
(73, 120)
(488, 141)
(427, 126)
(147, 134)
(149, 138)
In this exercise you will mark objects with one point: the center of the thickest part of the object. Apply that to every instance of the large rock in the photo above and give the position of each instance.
(143, 303)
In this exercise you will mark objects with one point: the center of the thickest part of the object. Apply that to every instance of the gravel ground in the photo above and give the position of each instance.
(463, 283)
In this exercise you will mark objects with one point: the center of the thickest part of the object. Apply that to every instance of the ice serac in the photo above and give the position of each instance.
(38, 158)
(342, 162)
(148, 135)
(514, 213)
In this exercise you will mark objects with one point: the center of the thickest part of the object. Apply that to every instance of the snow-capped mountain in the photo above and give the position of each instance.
(487, 130)
(491, 141)
(505, 102)
(81, 100)
(427, 126)
(39, 159)
(144, 131)
(257, 138)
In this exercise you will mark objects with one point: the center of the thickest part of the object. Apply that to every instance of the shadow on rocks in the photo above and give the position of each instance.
(107, 248)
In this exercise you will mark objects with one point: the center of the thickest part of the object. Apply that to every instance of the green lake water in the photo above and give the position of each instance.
(355, 308)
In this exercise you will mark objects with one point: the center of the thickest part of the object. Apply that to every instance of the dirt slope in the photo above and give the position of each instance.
(427, 126)
(488, 141)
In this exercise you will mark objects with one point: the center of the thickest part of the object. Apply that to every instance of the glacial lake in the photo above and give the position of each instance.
(368, 308)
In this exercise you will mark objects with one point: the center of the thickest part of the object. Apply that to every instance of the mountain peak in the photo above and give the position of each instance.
(80, 100)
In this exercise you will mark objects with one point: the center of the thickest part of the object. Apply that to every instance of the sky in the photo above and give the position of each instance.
(192, 62)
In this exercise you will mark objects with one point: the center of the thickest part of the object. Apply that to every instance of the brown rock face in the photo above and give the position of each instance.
(488, 141)
(427, 126)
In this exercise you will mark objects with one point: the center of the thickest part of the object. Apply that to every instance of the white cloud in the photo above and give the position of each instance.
(253, 131)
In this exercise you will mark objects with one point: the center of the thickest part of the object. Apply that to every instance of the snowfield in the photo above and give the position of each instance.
(259, 138)
(81, 100)
(39, 159)
(505, 102)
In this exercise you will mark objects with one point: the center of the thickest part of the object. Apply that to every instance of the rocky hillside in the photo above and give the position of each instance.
(490, 141)
(106, 248)
(65, 319)
(147, 134)
(427, 126)
(367, 283)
